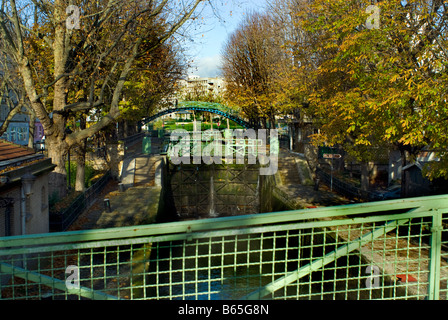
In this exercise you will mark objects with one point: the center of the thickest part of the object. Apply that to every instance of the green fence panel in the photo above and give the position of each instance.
(382, 250)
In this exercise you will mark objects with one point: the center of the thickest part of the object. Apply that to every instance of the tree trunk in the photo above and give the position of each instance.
(272, 122)
(291, 136)
(403, 173)
(125, 129)
(296, 137)
(80, 184)
(80, 170)
(32, 127)
(364, 176)
(57, 151)
(264, 123)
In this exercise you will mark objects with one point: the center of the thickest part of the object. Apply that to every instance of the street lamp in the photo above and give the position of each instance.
(27, 183)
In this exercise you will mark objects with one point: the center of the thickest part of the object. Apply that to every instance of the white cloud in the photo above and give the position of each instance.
(207, 66)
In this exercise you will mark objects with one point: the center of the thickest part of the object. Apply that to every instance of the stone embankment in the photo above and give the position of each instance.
(133, 201)
(295, 184)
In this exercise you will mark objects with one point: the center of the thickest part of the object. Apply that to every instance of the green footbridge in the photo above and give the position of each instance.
(211, 107)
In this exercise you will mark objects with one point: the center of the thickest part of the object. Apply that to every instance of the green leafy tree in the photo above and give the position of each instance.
(372, 88)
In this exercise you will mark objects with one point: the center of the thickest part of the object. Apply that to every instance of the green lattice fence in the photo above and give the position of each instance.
(386, 250)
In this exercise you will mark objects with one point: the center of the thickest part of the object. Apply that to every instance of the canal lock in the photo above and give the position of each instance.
(237, 268)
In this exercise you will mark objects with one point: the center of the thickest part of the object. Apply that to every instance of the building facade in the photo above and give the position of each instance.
(19, 127)
(24, 190)
(195, 87)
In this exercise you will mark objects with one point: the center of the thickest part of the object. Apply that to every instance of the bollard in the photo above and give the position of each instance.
(107, 205)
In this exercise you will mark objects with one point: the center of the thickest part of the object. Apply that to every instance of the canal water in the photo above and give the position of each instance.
(222, 268)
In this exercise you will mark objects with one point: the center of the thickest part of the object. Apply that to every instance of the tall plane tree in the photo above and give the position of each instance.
(252, 63)
(53, 50)
(13, 97)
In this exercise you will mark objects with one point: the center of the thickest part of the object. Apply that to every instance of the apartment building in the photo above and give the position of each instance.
(19, 127)
(195, 86)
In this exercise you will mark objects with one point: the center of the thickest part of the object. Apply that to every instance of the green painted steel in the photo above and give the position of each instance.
(53, 282)
(381, 250)
(319, 263)
(436, 251)
(202, 106)
(227, 147)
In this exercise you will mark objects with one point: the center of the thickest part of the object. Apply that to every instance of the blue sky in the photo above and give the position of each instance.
(210, 37)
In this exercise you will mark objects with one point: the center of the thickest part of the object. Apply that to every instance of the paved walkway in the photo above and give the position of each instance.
(136, 206)
(302, 190)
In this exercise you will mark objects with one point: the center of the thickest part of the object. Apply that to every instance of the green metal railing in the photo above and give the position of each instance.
(238, 148)
(61, 221)
(384, 250)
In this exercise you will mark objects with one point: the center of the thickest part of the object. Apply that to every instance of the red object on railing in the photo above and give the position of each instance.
(406, 278)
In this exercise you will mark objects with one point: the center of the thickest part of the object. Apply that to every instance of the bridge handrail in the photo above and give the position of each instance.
(187, 227)
(203, 104)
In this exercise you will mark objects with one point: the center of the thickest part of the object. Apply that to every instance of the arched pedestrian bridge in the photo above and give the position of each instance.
(211, 107)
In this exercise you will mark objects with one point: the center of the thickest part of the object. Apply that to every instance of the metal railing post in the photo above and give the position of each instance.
(435, 256)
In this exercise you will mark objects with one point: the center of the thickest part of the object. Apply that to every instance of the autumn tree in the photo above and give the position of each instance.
(252, 62)
(53, 55)
(371, 88)
(294, 40)
(154, 81)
